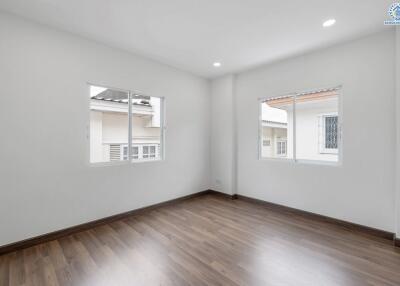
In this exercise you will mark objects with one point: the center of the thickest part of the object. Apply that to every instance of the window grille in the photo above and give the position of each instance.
(331, 132)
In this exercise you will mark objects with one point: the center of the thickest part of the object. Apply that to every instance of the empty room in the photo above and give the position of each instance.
(199, 142)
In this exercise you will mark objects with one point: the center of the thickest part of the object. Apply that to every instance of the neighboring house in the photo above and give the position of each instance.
(316, 126)
(274, 141)
(109, 127)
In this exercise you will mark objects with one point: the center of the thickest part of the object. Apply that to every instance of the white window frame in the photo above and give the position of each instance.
(160, 151)
(148, 145)
(140, 154)
(339, 90)
(280, 142)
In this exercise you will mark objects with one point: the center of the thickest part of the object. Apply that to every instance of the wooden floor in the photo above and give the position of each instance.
(208, 240)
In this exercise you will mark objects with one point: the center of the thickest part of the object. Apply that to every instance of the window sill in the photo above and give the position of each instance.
(122, 163)
(302, 162)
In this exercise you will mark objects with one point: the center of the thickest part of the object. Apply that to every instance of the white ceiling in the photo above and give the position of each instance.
(192, 34)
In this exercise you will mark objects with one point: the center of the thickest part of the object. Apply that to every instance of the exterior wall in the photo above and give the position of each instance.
(112, 128)
(361, 190)
(290, 135)
(115, 128)
(272, 134)
(308, 134)
(143, 134)
(96, 137)
(156, 118)
(51, 186)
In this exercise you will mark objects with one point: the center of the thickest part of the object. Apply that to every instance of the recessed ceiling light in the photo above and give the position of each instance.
(217, 64)
(329, 23)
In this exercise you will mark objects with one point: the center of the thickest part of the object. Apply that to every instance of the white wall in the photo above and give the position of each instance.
(46, 181)
(96, 136)
(360, 191)
(112, 128)
(222, 136)
(115, 128)
(309, 132)
(273, 135)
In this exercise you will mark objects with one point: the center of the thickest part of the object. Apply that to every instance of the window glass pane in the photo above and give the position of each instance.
(277, 127)
(317, 126)
(108, 124)
(125, 153)
(281, 148)
(145, 151)
(152, 151)
(135, 152)
(146, 125)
